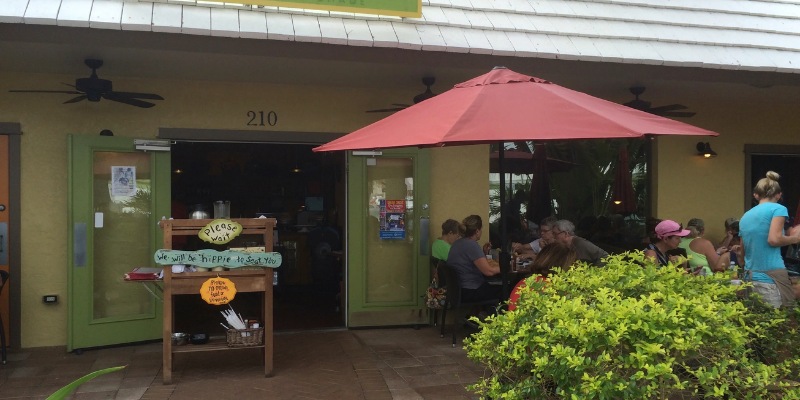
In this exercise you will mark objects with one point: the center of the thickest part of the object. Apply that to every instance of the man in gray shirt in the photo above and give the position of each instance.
(564, 232)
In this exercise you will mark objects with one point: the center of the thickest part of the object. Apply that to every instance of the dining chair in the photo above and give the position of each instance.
(3, 280)
(454, 303)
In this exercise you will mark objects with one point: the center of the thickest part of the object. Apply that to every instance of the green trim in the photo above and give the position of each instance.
(400, 8)
(358, 230)
(84, 330)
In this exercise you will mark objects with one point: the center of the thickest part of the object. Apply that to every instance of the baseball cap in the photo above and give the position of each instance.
(667, 228)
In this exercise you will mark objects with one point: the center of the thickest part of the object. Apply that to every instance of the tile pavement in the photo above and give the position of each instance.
(393, 363)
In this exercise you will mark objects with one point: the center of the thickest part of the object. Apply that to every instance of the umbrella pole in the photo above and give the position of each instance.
(504, 256)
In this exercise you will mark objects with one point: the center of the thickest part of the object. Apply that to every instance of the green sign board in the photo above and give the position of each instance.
(210, 258)
(400, 8)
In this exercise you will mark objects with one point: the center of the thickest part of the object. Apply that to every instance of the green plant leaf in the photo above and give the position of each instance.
(67, 390)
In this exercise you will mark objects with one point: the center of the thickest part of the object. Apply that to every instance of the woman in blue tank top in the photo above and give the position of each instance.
(762, 233)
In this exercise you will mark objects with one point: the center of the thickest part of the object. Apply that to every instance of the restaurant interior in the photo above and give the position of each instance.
(302, 190)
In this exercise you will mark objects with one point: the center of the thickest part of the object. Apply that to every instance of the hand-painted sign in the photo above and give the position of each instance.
(220, 231)
(218, 291)
(213, 258)
(400, 8)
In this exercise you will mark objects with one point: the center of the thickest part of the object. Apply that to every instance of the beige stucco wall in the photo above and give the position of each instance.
(713, 189)
(460, 185)
(688, 186)
(46, 123)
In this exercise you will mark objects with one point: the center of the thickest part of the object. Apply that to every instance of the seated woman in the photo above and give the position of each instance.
(555, 255)
(469, 261)
(668, 234)
(441, 246)
(703, 258)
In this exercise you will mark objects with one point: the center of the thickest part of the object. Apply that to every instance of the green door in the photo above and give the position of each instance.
(117, 194)
(388, 238)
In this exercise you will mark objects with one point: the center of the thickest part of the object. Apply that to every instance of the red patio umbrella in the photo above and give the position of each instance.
(623, 198)
(505, 106)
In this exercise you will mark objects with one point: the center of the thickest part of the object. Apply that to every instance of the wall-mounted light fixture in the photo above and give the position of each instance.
(704, 150)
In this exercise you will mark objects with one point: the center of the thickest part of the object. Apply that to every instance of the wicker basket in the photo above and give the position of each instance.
(245, 337)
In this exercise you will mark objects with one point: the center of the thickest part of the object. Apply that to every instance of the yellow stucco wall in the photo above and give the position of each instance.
(687, 185)
(690, 186)
(45, 124)
(460, 186)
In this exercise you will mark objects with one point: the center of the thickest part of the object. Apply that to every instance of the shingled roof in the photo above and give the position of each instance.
(748, 35)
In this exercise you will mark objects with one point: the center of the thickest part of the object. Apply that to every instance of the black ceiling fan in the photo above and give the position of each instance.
(93, 89)
(428, 81)
(670, 110)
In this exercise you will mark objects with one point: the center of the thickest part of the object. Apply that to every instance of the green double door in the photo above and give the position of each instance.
(388, 238)
(117, 194)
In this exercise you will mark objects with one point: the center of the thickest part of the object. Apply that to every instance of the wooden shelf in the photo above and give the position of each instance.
(188, 283)
(213, 344)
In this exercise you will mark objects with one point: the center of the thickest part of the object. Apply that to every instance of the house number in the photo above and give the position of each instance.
(261, 118)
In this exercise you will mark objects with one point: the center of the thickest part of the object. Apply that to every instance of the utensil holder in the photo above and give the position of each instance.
(222, 209)
(245, 337)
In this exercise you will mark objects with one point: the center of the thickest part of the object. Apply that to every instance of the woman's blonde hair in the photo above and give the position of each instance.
(768, 187)
(554, 255)
(470, 225)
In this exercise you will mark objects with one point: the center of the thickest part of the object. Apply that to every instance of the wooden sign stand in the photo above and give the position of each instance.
(248, 280)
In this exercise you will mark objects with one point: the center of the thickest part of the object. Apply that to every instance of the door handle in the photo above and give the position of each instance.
(2, 207)
(424, 235)
(79, 237)
(3, 243)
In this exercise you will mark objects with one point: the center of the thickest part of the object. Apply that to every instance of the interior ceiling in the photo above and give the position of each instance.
(59, 50)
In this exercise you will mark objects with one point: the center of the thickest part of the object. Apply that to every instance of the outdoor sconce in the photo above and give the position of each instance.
(704, 150)
(617, 202)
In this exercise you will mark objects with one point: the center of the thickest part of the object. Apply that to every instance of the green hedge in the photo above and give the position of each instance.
(633, 330)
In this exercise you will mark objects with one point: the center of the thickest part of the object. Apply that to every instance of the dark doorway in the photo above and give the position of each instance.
(303, 190)
(786, 166)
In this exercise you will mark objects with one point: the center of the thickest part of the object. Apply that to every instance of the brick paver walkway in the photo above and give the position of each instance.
(397, 363)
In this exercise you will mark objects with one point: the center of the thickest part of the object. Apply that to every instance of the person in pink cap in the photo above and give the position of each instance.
(668, 237)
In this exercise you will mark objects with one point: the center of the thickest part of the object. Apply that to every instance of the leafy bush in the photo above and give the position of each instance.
(633, 330)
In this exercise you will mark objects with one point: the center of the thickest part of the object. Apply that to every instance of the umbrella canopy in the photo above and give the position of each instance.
(623, 198)
(540, 204)
(505, 106)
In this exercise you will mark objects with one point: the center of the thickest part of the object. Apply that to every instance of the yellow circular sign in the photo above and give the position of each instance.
(218, 291)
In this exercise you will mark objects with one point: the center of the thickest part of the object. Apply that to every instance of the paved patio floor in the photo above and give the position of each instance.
(396, 363)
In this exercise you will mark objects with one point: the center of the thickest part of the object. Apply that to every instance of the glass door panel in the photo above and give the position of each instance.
(390, 244)
(122, 199)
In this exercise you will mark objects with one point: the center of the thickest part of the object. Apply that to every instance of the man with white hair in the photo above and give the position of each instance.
(564, 232)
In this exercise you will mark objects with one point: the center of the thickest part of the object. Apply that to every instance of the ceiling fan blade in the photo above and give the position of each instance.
(76, 99)
(46, 91)
(149, 96)
(671, 107)
(640, 105)
(114, 96)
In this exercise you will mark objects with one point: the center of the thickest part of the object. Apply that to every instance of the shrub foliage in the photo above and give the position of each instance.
(633, 330)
